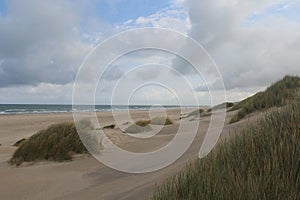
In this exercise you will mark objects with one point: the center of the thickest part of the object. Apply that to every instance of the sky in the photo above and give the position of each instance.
(44, 43)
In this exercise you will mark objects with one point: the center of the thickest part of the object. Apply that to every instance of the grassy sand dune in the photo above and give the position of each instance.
(281, 93)
(262, 162)
(196, 113)
(207, 112)
(143, 125)
(58, 142)
(139, 126)
(222, 106)
(133, 128)
(163, 121)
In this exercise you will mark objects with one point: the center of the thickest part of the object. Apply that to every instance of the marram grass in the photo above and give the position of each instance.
(161, 121)
(142, 122)
(281, 93)
(58, 142)
(262, 162)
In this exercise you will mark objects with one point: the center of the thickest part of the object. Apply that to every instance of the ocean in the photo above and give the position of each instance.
(7, 109)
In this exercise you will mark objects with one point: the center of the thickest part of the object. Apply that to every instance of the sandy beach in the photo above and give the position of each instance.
(84, 177)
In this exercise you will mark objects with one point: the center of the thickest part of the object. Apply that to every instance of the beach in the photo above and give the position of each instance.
(84, 176)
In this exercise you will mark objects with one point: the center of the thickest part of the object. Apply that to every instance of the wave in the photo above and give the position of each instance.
(10, 109)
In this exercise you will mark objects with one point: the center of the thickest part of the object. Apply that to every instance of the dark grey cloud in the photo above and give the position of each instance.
(40, 43)
(112, 73)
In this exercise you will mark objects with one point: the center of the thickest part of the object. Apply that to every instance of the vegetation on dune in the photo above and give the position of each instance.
(279, 94)
(260, 163)
(19, 142)
(223, 105)
(139, 126)
(195, 113)
(142, 126)
(161, 121)
(133, 128)
(58, 142)
(199, 113)
(111, 126)
(143, 122)
(207, 112)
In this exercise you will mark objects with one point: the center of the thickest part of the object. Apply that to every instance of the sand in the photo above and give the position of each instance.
(85, 177)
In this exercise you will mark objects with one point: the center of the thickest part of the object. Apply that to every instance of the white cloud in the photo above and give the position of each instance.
(248, 55)
(173, 17)
(43, 93)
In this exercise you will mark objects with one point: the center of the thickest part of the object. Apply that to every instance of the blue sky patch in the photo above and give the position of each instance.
(3, 8)
(287, 9)
(122, 10)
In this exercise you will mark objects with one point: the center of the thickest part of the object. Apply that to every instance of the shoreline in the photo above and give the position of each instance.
(19, 109)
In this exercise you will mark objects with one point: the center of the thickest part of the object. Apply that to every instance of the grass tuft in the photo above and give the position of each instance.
(223, 105)
(143, 122)
(111, 126)
(142, 126)
(195, 113)
(161, 121)
(19, 142)
(133, 128)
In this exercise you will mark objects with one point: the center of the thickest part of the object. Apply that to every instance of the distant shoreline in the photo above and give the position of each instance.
(19, 109)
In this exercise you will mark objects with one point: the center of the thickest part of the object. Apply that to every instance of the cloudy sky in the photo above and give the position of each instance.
(43, 44)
